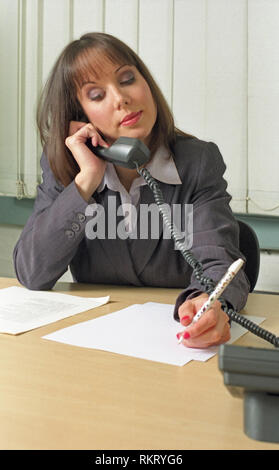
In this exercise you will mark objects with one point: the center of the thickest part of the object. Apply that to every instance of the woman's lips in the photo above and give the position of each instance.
(131, 119)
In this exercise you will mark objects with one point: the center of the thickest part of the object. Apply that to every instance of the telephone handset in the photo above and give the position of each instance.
(133, 153)
(125, 151)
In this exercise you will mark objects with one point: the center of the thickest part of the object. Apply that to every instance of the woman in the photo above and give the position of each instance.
(98, 91)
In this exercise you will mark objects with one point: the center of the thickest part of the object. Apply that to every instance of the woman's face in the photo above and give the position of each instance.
(119, 103)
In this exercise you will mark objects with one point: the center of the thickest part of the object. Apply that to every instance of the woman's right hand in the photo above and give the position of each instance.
(92, 168)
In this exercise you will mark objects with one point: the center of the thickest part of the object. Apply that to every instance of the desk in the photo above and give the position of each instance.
(56, 396)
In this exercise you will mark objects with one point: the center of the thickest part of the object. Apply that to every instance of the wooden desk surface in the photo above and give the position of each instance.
(55, 396)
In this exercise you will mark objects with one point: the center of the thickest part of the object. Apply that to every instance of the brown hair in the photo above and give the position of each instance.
(58, 104)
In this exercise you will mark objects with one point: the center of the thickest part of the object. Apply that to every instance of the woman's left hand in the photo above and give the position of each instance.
(211, 329)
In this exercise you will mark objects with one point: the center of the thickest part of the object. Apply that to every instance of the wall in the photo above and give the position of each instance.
(215, 61)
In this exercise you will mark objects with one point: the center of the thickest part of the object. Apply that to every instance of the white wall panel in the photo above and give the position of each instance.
(121, 20)
(210, 81)
(226, 88)
(263, 103)
(31, 83)
(56, 32)
(155, 41)
(88, 16)
(9, 96)
(189, 65)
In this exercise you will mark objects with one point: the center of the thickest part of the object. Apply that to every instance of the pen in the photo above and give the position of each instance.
(221, 286)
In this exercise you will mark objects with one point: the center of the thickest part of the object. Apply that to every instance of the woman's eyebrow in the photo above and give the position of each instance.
(94, 83)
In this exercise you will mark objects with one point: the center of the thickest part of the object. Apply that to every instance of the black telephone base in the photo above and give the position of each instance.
(253, 374)
(261, 416)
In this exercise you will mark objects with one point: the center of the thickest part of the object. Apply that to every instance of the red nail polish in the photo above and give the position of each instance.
(178, 335)
(186, 335)
(186, 318)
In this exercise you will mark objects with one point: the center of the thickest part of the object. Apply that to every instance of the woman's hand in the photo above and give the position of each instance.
(92, 168)
(211, 329)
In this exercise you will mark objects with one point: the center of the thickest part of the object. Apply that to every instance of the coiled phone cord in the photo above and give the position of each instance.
(197, 267)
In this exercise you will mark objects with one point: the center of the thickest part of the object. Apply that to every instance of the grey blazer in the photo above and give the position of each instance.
(54, 235)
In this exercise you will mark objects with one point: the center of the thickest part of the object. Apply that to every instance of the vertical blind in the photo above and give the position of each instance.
(216, 62)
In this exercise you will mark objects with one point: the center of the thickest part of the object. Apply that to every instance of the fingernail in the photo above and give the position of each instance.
(186, 335)
(186, 318)
(178, 335)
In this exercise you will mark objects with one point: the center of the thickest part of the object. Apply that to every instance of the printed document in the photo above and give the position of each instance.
(23, 310)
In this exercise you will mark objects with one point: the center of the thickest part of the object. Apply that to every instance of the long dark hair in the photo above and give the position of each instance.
(58, 103)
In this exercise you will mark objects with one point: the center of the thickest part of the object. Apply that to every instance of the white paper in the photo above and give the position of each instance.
(146, 331)
(23, 310)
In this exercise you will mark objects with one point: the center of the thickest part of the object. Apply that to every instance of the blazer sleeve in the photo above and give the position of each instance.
(52, 233)
(215, 231)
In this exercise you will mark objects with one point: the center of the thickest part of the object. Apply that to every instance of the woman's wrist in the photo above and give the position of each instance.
(85, 184)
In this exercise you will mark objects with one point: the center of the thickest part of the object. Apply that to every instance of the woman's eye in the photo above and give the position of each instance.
(127, 80)
(95, 96)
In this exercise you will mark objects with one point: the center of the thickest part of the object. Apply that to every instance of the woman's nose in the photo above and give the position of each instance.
(121, 99)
